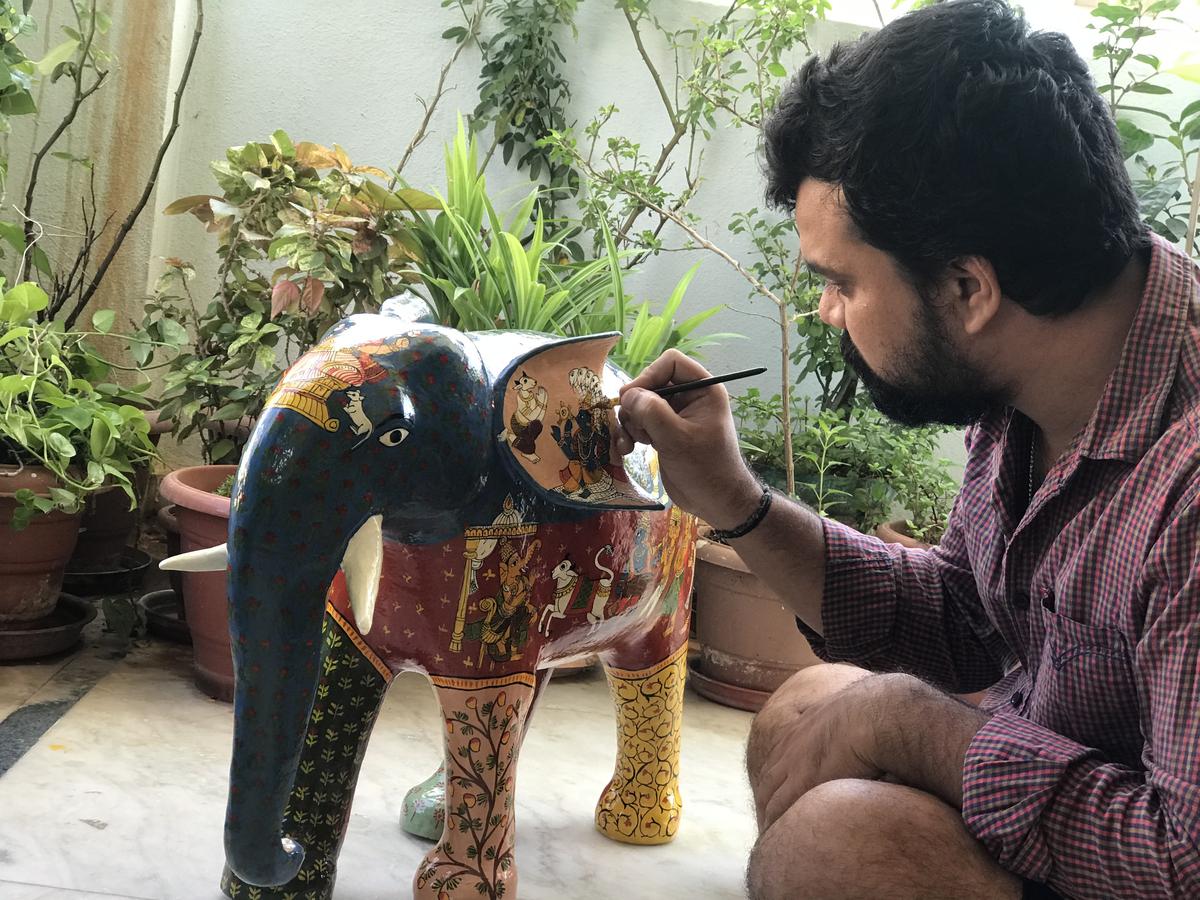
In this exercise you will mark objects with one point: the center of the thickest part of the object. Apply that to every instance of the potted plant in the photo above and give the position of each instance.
(68, 264)
(66, 433)
(200, 495)
(304, 237)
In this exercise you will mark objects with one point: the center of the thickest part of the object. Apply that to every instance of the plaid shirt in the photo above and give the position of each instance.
(1082, 610)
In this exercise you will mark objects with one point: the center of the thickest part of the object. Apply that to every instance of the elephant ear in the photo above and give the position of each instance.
(555, 426)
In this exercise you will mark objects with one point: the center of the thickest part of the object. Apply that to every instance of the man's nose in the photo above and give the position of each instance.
(830, 309)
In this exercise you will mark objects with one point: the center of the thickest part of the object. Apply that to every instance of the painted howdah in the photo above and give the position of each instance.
(417, 498)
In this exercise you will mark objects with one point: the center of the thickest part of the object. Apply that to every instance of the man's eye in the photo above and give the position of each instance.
(393, 437)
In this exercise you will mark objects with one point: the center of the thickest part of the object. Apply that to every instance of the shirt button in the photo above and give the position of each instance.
(1020, 600)
(1016, 700)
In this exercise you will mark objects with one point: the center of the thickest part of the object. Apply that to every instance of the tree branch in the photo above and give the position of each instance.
(691, 232)
(77, 100)
(655, 174)
(128, 224)
(1190, 244)
(658, 83)
(473, 25)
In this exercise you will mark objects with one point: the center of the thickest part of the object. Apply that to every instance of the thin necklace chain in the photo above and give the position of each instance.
(1032, 457)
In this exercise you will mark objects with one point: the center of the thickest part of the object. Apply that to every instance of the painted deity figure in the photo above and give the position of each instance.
(583, 436)
(525, 424)
(504, 628)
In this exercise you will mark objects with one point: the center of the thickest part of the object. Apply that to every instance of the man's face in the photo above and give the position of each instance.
(897, 340)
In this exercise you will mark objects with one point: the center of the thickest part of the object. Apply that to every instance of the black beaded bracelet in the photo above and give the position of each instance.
(757, 516)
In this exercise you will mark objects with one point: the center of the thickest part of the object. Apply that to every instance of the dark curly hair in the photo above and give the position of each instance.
(955, 131)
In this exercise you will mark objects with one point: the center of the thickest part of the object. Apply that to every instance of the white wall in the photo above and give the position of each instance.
(354, 80)
(350, 73)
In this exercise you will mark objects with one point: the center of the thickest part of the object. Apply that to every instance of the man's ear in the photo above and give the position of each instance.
(976, 293)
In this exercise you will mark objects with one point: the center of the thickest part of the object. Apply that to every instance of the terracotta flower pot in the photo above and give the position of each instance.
(749, 643)
(169, 523)
(33, 560)
(203, 518)
(108, 522)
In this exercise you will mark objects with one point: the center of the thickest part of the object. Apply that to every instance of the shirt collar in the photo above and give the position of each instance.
(1131, 413)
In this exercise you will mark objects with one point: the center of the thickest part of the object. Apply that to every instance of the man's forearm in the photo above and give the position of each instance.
(787, 552)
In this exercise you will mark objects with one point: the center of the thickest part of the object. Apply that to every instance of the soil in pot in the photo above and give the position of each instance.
(203, 519)
(32, 560)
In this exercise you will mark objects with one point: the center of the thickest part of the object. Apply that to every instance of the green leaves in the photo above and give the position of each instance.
(59, 410)
(1133, 139)
(102, 320)
(22, 302)
(283, 143)
(304, 237)
(1164, 189)
(173, 333)
(1114, 12)
(1145, 87)
(62, 53)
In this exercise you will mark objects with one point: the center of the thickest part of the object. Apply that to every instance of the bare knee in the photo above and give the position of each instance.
(799, 693)
(854, 838)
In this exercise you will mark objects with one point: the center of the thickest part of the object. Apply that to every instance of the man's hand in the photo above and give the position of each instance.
(694, 434)
(892, 727)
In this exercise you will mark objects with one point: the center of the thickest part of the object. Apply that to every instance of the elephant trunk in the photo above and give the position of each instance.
(288, 533)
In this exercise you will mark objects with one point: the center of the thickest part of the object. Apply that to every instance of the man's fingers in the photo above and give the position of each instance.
(649, 418)
(630, 425)
(670, 368)
(621, 439)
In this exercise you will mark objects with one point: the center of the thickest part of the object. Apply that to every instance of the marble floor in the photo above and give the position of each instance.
(123, 795)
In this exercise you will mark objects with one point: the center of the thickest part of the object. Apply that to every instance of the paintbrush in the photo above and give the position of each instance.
(672, 389)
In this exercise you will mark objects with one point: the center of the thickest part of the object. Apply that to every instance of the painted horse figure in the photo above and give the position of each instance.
(398, 509)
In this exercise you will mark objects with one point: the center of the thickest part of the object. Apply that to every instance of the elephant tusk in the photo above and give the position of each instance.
(210, 559)
(362, 565)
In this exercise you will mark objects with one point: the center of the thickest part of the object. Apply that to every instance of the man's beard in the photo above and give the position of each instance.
(940, 387)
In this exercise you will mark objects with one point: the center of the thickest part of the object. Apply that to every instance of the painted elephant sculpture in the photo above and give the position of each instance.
(417, 498)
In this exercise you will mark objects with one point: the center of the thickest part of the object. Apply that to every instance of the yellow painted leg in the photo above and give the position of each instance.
(641, 805)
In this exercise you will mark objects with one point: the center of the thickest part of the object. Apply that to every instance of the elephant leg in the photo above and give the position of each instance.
(424, 811)
(641, 804)
(349, 694)
(485, 721)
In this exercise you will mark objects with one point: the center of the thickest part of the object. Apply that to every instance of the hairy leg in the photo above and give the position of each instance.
(804, 689)
(854, 839)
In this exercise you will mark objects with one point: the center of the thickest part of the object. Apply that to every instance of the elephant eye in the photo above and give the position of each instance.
(393, 437)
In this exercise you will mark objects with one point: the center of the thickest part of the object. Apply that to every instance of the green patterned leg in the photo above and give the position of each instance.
(349, 695)
(424, 811)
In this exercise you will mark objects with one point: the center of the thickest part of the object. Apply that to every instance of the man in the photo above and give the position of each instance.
(959, 182)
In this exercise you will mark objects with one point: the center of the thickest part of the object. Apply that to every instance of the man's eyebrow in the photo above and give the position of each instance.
(825, 271)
